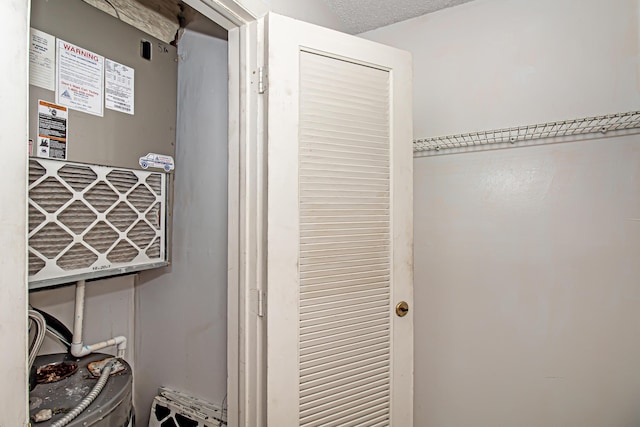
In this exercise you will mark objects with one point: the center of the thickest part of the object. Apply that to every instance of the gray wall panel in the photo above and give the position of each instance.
(117, 139)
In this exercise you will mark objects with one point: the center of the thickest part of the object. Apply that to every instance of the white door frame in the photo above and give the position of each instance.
(245, 189)
(13, 217)
(238, 17)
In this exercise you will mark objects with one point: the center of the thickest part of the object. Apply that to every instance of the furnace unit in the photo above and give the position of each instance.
(100, 205)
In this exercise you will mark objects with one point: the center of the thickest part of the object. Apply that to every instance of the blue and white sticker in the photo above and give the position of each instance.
(160, 161)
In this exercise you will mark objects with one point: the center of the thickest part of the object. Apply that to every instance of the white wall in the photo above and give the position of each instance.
(526, 259)
(13, 215)
(490, 64)
(527, 289)
(181, 311)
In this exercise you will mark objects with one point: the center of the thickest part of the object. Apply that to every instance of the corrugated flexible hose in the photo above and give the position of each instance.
(41, 328)
(95, 391)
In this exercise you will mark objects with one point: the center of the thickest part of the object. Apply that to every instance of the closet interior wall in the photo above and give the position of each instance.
(526, 296)
(181, 310)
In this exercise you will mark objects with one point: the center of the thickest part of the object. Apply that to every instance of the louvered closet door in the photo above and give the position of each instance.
(339, 230)
(345, 252)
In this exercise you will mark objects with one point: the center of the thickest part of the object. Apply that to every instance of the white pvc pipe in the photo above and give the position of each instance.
(120, 342)
(78, 348)
(76, 342)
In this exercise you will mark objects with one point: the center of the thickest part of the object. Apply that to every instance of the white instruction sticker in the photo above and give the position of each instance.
(79, 79)
(160, 161)
(118, 87)
(42, 59)
(52, 131)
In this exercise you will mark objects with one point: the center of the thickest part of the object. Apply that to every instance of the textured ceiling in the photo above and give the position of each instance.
(364, 15)
(162, 18)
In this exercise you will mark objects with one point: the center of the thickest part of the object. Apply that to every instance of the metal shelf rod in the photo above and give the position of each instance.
(565, 128)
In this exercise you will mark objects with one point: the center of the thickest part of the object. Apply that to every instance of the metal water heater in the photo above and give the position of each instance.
(66, 381)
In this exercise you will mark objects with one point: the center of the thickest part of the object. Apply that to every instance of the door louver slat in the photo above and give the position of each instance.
(344, 193)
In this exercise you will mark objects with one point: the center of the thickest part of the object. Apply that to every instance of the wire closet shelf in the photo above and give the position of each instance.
(539, 132)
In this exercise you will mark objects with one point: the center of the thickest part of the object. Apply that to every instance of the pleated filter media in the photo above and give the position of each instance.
(88, 221)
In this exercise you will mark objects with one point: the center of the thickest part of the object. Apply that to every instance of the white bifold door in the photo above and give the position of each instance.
(338, 331)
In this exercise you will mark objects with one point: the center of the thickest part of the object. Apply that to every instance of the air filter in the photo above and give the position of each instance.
(176, 409)
(88, 221)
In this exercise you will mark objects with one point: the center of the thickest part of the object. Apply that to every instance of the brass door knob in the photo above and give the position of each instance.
(402, 308)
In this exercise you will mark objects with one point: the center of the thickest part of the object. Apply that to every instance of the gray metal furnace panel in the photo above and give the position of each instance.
(117, 139)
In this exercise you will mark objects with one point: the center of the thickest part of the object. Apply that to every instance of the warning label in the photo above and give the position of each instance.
(52, 131)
